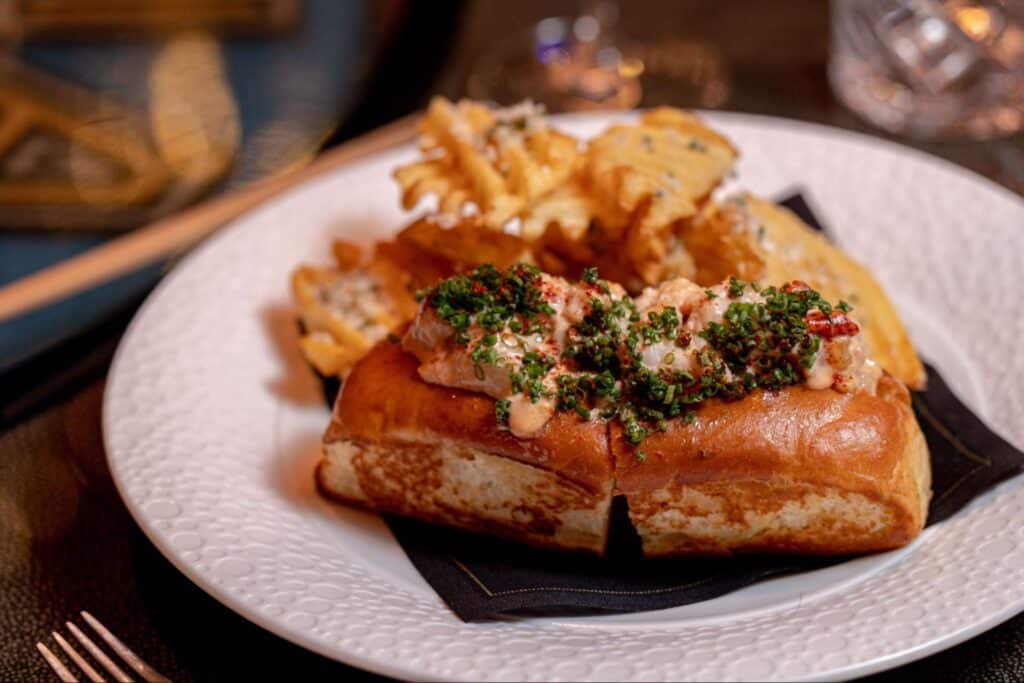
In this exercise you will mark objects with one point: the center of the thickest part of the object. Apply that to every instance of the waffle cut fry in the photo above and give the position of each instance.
(345, 310)
(499, 161)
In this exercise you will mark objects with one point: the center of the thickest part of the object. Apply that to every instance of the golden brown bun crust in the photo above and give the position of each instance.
(834, 458)
(384, 400)
(794, 471)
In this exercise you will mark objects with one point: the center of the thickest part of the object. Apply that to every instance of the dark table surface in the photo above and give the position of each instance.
(66, 541)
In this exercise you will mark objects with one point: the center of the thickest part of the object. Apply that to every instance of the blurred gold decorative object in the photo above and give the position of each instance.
(62, 145)
(71, 158)
(176, 234)
(192, 112)
(73, 19)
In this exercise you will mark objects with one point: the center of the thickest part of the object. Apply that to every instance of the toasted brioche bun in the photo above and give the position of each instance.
(398, 444)
(793, 471)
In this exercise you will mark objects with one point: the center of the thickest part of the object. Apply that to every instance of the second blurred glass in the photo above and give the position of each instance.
(931, 68)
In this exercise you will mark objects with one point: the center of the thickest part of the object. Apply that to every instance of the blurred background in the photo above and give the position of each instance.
(115, 113)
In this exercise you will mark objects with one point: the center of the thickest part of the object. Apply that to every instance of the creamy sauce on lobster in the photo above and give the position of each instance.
(538, 344)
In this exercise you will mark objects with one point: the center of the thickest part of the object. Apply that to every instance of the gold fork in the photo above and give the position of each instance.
(144, 670)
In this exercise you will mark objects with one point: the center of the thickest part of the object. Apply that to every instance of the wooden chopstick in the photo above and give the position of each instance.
(175, 234)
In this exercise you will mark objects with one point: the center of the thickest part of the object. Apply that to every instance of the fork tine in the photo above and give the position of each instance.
(100, 656)
(55, 664)
(78, 659)
(147, 672)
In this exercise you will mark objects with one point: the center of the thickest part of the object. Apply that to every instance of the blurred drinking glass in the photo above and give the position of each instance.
(931, 68)
(584, 63)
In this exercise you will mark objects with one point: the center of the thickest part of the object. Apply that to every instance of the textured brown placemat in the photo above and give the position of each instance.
(67, 543)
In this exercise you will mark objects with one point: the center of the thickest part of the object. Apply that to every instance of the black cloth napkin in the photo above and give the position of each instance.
(483, 578)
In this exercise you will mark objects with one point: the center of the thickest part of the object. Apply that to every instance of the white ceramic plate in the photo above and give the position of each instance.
(213, 423)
